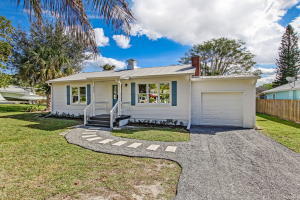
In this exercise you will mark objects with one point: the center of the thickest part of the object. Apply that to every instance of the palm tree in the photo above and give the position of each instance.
(45, 53)
(73, 15)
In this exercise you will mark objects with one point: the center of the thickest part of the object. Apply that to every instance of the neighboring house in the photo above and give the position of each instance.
(171, 94)
(287, 91)
(16, 94)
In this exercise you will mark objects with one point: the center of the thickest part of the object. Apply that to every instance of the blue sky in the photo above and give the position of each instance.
(167, 29)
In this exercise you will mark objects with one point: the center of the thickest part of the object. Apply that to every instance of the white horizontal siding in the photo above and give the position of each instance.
(59, 104)
(159, 111)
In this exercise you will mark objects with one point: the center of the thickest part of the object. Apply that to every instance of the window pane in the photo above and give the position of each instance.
(164, 98)
(153, 98)
(74, 95)
(142, 88)
(152, 89)
(142, 98)
(164, 88)
(82, 95)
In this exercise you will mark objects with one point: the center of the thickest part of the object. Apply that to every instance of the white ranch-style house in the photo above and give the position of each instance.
(172, 94)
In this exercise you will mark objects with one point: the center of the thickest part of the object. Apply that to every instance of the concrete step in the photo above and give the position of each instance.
(98, 122)
(98, 125)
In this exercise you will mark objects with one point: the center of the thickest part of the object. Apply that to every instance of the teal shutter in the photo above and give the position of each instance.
(132, 94)
(68, 95)
(174, 93)
(88, 94)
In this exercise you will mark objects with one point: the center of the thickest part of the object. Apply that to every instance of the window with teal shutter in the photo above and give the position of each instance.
(132, 94)
(88, 91)
(68, 95)
(174, 93)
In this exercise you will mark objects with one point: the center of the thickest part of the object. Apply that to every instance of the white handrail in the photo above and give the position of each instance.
(113, 113)
(87, 112)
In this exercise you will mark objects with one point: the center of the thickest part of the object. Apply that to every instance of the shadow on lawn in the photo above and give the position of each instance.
(41, 123)
(277, 120)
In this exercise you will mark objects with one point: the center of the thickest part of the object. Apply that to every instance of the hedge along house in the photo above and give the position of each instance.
(163, 95)
(289, 91)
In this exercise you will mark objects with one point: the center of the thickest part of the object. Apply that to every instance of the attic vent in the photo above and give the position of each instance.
(131, 64)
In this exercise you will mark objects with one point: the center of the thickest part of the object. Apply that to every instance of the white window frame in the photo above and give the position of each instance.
(158, 93)
(71, 95)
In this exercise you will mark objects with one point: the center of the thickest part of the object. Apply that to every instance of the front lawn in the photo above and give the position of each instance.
(38, 163)
(154, 134)
(285, 132)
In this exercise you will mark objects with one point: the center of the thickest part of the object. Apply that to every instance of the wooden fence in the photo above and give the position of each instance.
(284, 109)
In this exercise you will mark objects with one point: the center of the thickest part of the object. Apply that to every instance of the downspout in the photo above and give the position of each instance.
(51, 103)
(190, 104)
(119, 98)
(93, 98)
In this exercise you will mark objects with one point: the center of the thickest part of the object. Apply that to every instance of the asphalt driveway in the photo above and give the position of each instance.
(219, 163)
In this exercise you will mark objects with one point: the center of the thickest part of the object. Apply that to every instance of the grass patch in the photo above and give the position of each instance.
(154, 134)
(285, 132)
(36, 162)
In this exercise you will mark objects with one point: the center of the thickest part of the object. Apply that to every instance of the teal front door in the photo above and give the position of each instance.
(114, 94)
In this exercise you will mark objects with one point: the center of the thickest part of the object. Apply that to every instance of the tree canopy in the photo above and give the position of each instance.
(222, 56)
(6, 30)
(108, 67)
(288, 63)
(47, 52)
(74, 15)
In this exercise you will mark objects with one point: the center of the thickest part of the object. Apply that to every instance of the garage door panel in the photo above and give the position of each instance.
(221, 109)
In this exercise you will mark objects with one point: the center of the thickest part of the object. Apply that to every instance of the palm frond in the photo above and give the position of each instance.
(73, 15)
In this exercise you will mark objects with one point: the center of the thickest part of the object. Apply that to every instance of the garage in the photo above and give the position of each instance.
(223, 101)
(221, 108)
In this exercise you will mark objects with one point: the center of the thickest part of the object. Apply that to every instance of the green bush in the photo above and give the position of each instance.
(35, 108)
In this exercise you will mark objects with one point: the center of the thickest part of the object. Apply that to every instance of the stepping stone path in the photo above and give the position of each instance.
(105, 141)
(135, 145)
(95, 138)
(171, 148)
(153, 147)
(90, 136)
(87, 136)
(120, 143)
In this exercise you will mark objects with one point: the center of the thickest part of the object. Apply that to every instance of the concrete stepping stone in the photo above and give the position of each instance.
(171, 149)
(87, 136)
(105, 141)
(153, 147)
(95, 138)
(120, 143)
(135, 145)
(89, 133)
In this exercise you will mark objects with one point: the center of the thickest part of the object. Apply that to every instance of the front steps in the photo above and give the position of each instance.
(104, 120)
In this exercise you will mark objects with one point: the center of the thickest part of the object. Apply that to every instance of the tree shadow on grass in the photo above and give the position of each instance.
(41, 123)
(278, 120)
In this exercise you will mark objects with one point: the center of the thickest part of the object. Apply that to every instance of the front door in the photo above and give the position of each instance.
(114, 95)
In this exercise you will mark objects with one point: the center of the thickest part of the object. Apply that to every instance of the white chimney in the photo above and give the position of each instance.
(131, 64)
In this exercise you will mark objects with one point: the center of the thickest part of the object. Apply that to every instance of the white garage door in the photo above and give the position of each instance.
(221, 108)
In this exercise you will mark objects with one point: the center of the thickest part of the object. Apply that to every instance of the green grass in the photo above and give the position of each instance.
(154, 134)
(285, 132)
(38, 163)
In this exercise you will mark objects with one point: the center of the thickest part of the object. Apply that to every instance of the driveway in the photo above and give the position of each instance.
(217, 163)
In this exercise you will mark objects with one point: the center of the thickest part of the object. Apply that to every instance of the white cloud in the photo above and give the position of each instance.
(101, 39)
(194, 21)
(298, 6)
(138, 30)
(268, 71)
(296, 24)
(266, 79)
(95, 63)
(122, 41)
